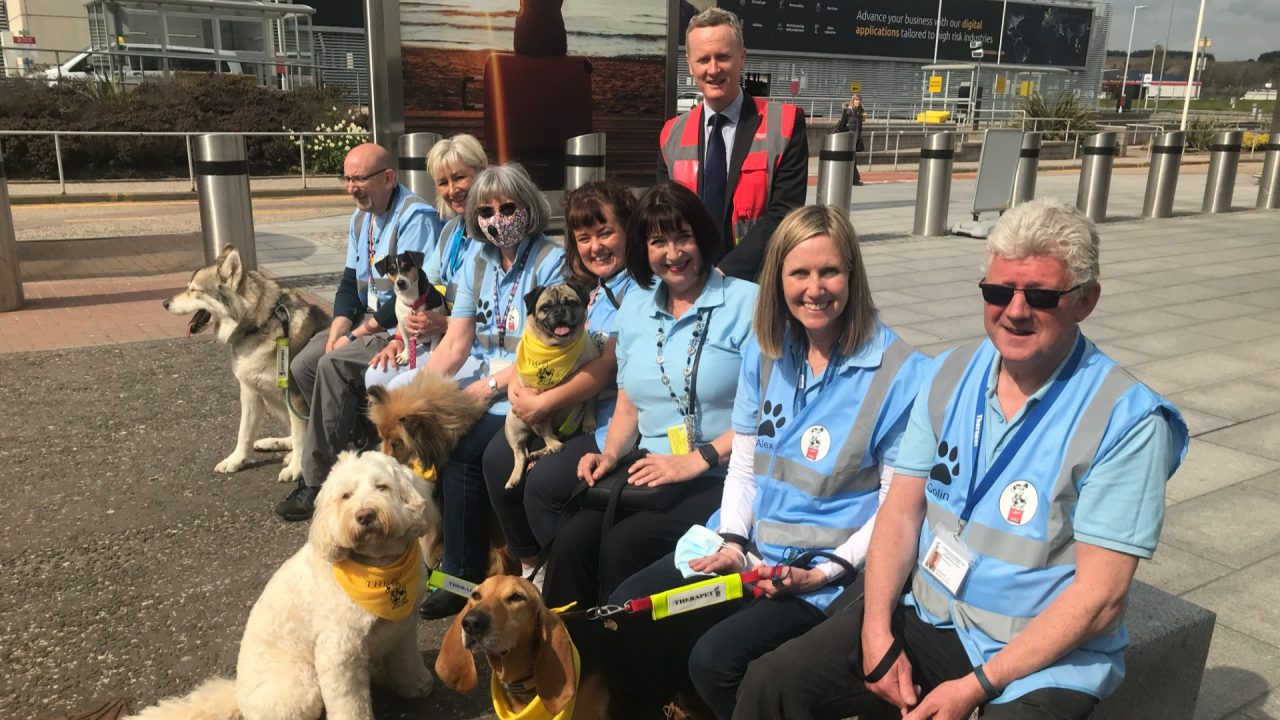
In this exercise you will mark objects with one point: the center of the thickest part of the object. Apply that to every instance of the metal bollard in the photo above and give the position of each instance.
(583, 160)
(1162, 177)
(835, 170)
(412, 162)
(1224, 158)
(1024, 181)
(1269, 183)
(933, 188)
(1095, 175)
(11, 297)
(222, 184)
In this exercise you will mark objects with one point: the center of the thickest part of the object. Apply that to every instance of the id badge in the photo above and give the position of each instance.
(372, 304)
(512, 320)
(947, 560)
(678, 436)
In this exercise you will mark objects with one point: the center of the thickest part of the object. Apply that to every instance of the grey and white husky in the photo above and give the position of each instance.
(249, 312)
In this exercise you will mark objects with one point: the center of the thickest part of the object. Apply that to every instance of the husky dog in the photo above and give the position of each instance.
(337, 615)
(554, 346)
(249, 312)
(413, 292)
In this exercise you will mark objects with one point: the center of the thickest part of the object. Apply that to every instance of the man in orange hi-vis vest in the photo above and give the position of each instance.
(747, 158)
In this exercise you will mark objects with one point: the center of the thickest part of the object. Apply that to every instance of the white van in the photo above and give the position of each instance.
(133, 69)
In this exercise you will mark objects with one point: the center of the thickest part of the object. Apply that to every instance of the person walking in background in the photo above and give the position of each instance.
(851, 120)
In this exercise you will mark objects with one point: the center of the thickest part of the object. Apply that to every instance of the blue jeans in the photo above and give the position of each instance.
(466, 503)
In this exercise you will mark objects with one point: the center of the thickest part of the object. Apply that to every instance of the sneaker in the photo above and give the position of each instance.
(300, 503)
(441, 604)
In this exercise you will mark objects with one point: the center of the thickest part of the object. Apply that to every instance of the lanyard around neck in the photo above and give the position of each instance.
(800, 399)
(688, 406)
(455, 252)
(1034, 416)
(516, 269)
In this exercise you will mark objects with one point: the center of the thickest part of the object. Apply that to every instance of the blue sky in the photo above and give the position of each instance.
(1240, 29)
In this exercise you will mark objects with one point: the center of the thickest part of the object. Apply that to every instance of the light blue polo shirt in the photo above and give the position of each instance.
(419, 226)
(492, 295)
(732, 303)
(600, 322)
(1121, 506)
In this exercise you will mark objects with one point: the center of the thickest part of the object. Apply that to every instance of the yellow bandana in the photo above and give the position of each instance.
(428, 474)
(389, 592)
(543, 366)
(535, 710)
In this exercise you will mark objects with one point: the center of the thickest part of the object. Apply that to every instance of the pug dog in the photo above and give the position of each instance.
(413, 292)
(554, 346)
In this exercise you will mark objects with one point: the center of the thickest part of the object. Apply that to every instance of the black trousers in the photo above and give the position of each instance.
(529, 511)
(814, 676)
(583, 566)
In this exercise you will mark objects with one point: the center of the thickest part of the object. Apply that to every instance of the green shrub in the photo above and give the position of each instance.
(1057, 117)
(1200, 132)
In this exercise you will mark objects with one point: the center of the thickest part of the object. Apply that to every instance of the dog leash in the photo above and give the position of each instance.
(685, 598)
(281, 313)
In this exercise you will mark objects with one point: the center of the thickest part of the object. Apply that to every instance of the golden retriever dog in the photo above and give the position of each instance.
(313, 642)
(421, 423)
(530, 654)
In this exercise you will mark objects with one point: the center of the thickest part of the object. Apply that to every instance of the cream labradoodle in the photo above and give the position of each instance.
(339, 610)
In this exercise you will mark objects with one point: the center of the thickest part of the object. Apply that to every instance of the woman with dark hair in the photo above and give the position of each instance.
(680, 337)
(596, 217)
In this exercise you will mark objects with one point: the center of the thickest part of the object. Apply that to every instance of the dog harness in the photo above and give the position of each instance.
(389, 592)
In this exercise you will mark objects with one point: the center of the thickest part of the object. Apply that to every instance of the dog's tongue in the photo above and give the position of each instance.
(198, 321)
(561, 330)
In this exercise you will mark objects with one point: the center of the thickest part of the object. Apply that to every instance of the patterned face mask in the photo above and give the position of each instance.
(505, 231)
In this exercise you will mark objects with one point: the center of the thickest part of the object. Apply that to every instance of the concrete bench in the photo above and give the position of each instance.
(1168, 645)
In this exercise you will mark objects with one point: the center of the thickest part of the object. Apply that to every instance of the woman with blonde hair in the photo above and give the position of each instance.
(823, 397)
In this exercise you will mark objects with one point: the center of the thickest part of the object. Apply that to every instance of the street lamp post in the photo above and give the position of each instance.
(1191, 74)
(1155, 45)
(1124, 79)
(1168, 33)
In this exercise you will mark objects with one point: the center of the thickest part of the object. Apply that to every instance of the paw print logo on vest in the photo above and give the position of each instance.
(772, 419)
(947, 467)
(484, 313)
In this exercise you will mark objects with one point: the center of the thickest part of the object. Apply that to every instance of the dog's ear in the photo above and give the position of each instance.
(415, 258)
(377, 396)
(322, 535)
(531, 299)
(455, 666)
(230, 269)
(583, 290)
(553, 670)
(224, 252)
(385, 265)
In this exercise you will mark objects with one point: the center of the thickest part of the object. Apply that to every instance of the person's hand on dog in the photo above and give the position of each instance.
(594, 466)
(386, 359)
(425, 323)
(653, 470)
(528, 404)
(794, 581)
(728, 559)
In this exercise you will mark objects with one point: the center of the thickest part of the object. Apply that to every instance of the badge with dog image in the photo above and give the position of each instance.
(1018, 502)
(815, 442)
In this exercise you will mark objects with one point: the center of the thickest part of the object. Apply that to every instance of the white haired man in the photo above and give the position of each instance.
(1029, 483)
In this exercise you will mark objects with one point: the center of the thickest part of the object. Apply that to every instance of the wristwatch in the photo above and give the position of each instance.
(351, 336)
(708, 453)
(493, 384)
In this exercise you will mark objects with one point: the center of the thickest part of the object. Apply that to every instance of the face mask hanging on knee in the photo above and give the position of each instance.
(505, 231)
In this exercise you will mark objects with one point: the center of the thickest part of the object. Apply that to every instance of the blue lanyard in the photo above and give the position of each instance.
(1028, 425)
(455, 253)
(800, 400)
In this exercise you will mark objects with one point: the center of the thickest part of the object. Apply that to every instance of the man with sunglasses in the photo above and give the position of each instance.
(330, 370)
(1029, 483)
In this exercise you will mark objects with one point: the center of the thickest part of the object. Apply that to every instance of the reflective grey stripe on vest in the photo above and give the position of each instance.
(451, 287)
(802, 536)
(394, 247)
(945, 381)
(1001, 628)
(673, 151)
(849, 475)
(510, 341)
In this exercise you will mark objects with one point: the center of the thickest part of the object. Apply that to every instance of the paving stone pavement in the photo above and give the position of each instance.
(1189, 305)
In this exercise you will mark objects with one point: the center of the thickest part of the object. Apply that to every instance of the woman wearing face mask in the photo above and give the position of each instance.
(680, 337)
(508, 212)
(454, 163)
(823, 398)
(596, 217)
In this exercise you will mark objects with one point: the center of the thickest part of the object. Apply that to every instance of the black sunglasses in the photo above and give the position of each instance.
(1038, 298)
(507, 209)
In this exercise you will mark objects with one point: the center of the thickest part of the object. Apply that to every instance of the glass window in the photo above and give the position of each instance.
(139, 26)
(190, 31)
(242, 35)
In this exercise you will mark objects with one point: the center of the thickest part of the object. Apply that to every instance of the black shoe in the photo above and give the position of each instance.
(441, 604)
(300, 503)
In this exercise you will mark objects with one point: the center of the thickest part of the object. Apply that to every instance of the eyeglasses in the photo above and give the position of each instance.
(507, 209)
(360, 179)
(1038, 298)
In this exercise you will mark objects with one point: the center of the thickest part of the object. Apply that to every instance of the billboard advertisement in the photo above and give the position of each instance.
(525, 75)
(1033, 34)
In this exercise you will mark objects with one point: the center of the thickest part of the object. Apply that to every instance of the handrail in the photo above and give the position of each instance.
(299, 137)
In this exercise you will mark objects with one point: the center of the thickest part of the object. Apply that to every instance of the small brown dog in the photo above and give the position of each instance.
(421, 423)
(528, 649)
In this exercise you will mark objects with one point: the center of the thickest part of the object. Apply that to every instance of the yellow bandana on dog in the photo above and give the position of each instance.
(535, 710)
(428, 474)
(543, 366)
(389, 592)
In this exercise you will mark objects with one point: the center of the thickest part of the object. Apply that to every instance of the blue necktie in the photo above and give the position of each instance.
(715, 170)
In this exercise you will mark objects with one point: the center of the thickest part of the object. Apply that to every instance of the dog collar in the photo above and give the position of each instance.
(389, 592)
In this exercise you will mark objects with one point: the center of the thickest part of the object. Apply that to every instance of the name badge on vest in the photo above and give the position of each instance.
(371, 304)
(947, 560)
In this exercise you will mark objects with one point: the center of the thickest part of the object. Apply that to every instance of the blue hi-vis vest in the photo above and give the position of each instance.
(1021, 533)
(817, 475)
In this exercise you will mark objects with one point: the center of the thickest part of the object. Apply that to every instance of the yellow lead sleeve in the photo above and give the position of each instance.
(697, 595)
